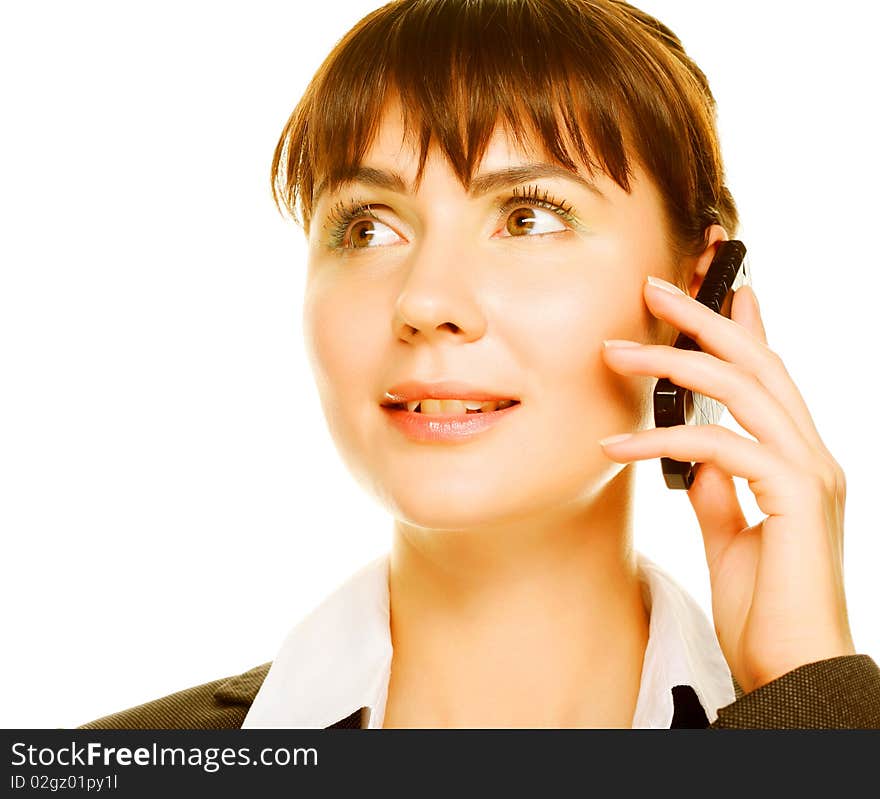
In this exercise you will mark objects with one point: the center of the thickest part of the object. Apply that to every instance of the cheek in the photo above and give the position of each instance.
(342, 351)
(558, 336)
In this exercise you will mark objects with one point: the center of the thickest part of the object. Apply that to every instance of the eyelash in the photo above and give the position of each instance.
(343, 215)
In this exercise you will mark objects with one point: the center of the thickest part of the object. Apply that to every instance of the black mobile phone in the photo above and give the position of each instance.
(676, 405)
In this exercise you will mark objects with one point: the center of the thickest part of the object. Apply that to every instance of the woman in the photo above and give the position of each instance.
(510, 208)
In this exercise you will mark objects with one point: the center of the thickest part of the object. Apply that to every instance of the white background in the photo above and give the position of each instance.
(170, 500)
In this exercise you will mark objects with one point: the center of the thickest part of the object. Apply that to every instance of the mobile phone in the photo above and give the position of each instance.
(676, 405)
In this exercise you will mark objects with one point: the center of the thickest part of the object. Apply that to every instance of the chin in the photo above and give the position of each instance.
(449, 506)
(469, 503)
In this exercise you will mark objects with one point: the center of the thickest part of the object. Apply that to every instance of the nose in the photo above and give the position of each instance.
(439, 297)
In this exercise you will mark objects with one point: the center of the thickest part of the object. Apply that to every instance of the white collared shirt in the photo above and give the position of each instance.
(338, 658)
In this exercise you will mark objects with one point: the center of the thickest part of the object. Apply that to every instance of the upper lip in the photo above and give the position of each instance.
(412, 390)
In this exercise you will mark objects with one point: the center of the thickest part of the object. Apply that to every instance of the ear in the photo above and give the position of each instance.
(695, 268)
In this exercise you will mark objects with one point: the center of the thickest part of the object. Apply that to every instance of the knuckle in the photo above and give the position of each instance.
(830, 472)
(742, 382)
(839, 476)
(772, 357)
(772, 363)
(824, 478)
(717, 438)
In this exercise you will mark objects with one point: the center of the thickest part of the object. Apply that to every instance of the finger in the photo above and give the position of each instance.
(719, 513)
(777, 486)
(746, 312)
(748, 401)
(733, 342)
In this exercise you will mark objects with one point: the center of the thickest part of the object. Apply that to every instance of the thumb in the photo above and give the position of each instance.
(713, 498)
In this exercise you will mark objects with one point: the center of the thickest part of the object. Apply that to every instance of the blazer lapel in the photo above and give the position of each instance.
(242, 688)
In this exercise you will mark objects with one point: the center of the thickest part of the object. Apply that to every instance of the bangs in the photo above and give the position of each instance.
(591, 82)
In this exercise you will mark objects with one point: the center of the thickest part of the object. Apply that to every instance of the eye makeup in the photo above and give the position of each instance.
(343, 214)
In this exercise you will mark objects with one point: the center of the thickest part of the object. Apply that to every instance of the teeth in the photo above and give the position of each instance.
(453, 407)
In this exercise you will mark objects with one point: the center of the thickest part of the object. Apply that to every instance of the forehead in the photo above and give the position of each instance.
(394, 144)
(392, 140)
(391, 160)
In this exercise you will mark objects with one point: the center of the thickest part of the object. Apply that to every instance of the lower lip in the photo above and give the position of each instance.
(436, 427)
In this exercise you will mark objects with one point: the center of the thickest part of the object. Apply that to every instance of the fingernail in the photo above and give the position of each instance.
(662, 284)
(620, 342)
(614, 439)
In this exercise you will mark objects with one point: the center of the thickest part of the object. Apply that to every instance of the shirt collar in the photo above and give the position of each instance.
(337, 660)
(682, 649)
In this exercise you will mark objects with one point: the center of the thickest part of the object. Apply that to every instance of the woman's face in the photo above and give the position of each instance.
(443, 286)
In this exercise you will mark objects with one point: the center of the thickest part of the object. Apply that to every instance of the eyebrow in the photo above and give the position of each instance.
(482, 184)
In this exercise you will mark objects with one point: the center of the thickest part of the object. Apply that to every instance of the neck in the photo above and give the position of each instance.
(534, 622)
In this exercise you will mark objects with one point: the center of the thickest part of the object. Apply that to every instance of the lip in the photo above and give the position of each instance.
(448, 389)
(442, 427)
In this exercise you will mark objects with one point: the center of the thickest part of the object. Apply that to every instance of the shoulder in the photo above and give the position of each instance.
(837, 693)
(219, 704)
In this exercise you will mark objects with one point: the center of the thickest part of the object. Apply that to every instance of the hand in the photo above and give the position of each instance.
(777, 586)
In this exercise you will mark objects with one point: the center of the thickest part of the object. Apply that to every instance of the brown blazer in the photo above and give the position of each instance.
(838, 693)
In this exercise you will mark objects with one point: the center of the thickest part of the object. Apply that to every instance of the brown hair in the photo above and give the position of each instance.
(458, 66)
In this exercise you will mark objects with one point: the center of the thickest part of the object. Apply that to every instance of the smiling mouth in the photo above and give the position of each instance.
(444, 407)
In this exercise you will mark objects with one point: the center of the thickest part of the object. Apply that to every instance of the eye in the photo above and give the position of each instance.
(522, 210)
(524, 220)
(364, 233)
(356, 227)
